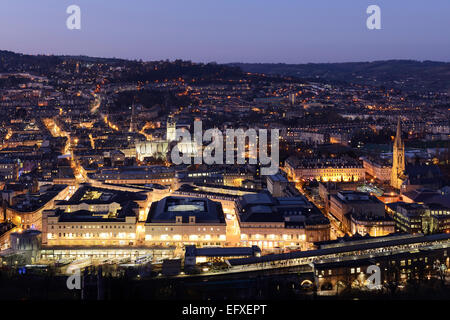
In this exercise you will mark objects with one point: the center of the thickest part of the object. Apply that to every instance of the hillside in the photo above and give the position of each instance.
(406, 75)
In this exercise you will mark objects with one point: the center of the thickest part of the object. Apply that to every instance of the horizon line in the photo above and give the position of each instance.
(222, 63)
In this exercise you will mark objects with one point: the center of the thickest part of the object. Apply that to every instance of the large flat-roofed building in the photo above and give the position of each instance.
(180, 221)
(360, 212)
(420, 217)
(90, 228)
(408, 216)
(275, 224)
(94, 217)
(324, 169)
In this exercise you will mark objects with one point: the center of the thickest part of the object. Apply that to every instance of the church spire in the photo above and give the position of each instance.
(398, 137)
(398, 159)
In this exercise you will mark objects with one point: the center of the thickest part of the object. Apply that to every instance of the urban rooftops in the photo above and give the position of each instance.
(185, 210)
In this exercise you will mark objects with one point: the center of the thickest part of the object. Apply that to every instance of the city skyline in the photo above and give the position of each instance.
(190, 151)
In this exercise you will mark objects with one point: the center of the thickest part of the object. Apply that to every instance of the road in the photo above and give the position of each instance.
(335, 230)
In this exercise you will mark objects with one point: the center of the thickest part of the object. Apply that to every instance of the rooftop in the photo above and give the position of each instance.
(292, 211)
(204, 210)
(93, 195)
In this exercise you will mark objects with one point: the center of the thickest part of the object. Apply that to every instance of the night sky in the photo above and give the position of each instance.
(289, 31)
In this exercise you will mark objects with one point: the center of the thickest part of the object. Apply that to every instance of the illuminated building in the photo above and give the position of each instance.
(203, 174)
(26, 244)
(324, 169)
(372, 225)
(102, 253)
(292, 98)
(420, 218)
(379, 171)
(171, 130)
(180, 221)
(355, 273)
(359, 212)
(155, 149)
(9, 169)
(159, 149)
(308, 137)
(234, 176)
(95, 217)
(276, 224)
(26, 210)
(90, 228)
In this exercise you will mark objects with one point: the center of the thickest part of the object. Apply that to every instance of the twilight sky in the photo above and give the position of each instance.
(290, 31)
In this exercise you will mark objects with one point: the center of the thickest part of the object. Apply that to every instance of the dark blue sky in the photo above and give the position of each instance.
(291, 31)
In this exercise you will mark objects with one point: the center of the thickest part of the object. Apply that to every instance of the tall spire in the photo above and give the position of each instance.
(398, 136)
(398, 159)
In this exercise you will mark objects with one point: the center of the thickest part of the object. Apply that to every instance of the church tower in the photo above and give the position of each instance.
(398, 159)
(171, 130)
